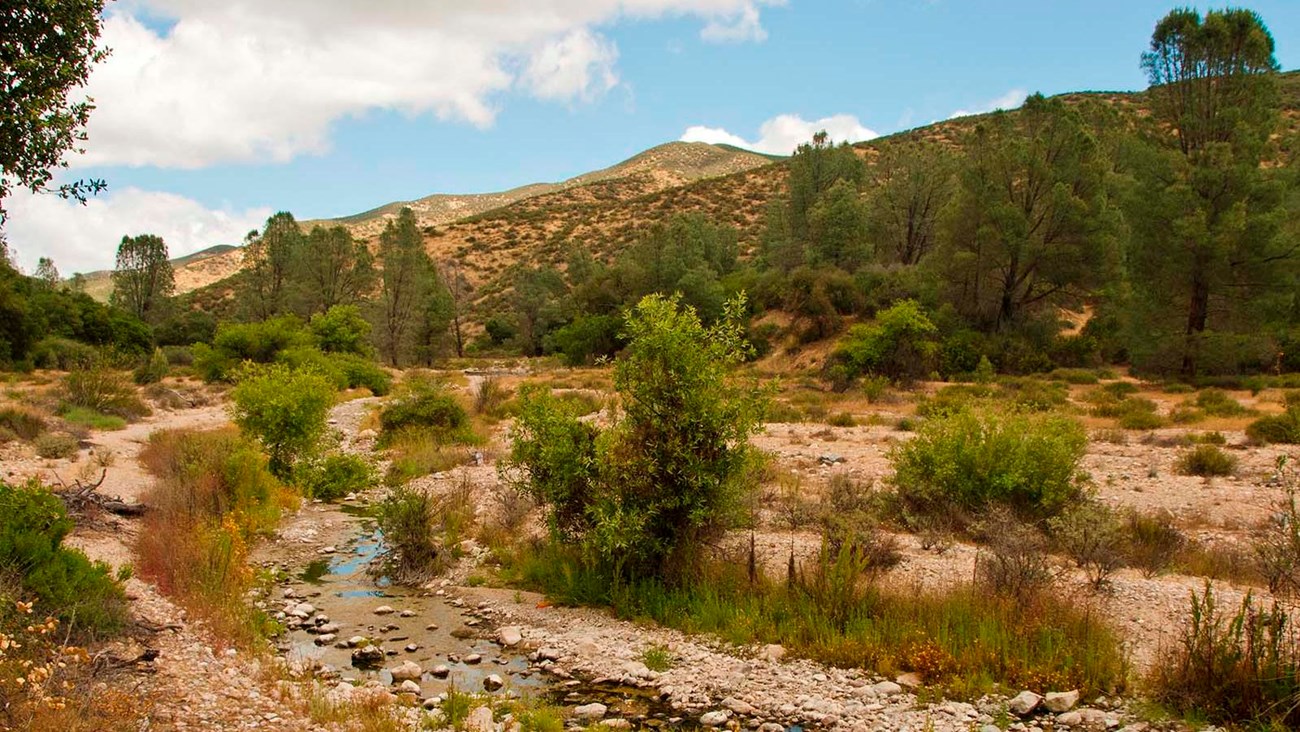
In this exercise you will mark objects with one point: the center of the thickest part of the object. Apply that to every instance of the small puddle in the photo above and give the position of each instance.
(433, 633)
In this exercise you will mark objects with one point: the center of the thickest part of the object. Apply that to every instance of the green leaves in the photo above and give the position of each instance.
(283, 409)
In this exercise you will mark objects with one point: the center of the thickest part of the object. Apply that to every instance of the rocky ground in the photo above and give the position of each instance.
(594, 663)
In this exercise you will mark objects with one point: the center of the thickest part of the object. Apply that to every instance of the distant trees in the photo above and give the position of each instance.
(335, 269)
(270, 260)
(1206, 249)
(911, 184)
(405, 282)
(47, 273)
(142, 279)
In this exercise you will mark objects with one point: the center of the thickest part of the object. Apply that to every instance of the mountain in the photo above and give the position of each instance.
(192, 271)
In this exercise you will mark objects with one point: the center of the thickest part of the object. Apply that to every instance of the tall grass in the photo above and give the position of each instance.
(965, 639)
(214, 494)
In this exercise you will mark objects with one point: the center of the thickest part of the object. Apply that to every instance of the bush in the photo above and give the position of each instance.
(969, 460)
(1217, 403)
(63, 354)
(56, 446)
(342, 329)
(283, 409)
(1013, 562)
(103, 390)
(235, 343)
(67, 585)
(178, 355)
(902, 343)
(671, 472)
(490, 396)
(1241, 668)
(423, 404)
(153, 370)
(1153, 541)
(1207, 460)
(1090, 534)
(1277, 542)
(335, 476)
(1282, 429)
(407, 517)
(360, 372)
(91, 419)
(23, 423)
(849, 524)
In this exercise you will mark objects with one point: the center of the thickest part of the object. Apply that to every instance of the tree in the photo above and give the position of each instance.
(270, 259)
(436, 319)
(911, 184)
(1206, 249)
(1031, 220)
(46, 52)
(406, 276)
(47, 273)
(540, 305)
(457, 289)
(814, 168)
(837, 227)
(143, 278)
(334, 269)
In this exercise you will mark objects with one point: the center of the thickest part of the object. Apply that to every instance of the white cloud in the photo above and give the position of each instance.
(1011, 100)
(783, 133)
(252, 80)
(85, 238)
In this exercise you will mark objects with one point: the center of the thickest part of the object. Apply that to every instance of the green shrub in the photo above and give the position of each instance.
(490, 396)
(235, 343)
(1281, 429)
(407, 517)
(1217, 403)
(56, 446)
(153, 370)
(1074, 376)
(902, 343)
(1091, 535)
(23, 423)
(1207, 460)
(360, 372)
(423, 404)
(178, 355)
(970, 459)
(102, 390)
(334, 476)
(1138, 416)
(283, 409)
(1153, 541)
(342, 329)
(63, 354)
(83, 595)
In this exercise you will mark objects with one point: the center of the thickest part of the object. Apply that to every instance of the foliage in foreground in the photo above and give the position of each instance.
(283, 409)
(62, 582)
(1241, 667)
(671, 472)
(966, 639)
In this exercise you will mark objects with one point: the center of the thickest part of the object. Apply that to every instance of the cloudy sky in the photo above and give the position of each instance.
(211, 116)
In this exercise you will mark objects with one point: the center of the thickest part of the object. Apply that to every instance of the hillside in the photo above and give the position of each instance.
(192, 271)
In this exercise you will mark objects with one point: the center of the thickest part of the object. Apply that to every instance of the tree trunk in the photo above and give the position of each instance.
(1198, 311)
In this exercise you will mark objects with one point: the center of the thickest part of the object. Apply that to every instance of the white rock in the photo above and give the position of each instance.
(386, 610)
(510, 636)
(1061, 701)
(772, 653)
(409, 687)
(493, 682)
(739, 706)
(887, 688)
(590, 711)
(713, 719)
(480, 720)
(1023, 703)
(1070, 719)
(473, 659)
(406, 670)
(441, 671)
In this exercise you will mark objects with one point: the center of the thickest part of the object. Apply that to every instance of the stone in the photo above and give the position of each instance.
(493, 682)
(409, 687)
(325, 639)
(406, 614)
(713, 719)
(616, 724)
(1024, 703)
(406, 670)
(909, 680)
(830, 458)
(356, 640)
(887, 688)
(510, 636)
(739, 706)
(590, 711)
(1070, 719)
(480, 720)
(772, 653)
(383, 610)
(473, 659)
(1057, 702)
(367, 657)
(441, 671)
(548, 653)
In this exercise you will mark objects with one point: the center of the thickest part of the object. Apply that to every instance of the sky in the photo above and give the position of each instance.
(212, 116)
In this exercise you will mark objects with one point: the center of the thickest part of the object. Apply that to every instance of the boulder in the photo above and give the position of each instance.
(1024, 703)
(590, 712)
(383, 610)
(887, 688)
(510, 636)
(772, 653)
(713, 719)
(441, 671)
(493, 682)
(409, 687)
(480, 720)
(1058, 702)
(406, 671)
(367, 657)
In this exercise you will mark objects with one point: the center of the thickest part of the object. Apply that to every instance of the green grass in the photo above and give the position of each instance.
(965, 640)
(92, 419)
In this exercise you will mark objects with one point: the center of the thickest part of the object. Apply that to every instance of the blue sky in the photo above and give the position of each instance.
(208, 120)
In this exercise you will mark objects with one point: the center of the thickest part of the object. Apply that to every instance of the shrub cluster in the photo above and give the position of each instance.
(283, 409)
(425, 404)
(1282, 429)
(335, 475)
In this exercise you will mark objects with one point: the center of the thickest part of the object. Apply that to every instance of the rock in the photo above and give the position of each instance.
(887, 688)
(909, 680)
(830, 458)
(473, 659)
(590, 711)
(1024, 703)
(772, 653)
(616, 724)
(548, 653)
(325, 639)
(356, 640)
(713, 719)
(1057, 702)
(409, 687)
(367, 657)
(493, 682)
(411, 648)
(383, 610)
(480, 720)
(510, 636)
(327, 628)
(739, 706)
(771, 727)
(440, 671)
(367, 434)
(406, 670)
(1070, 719)
(303, 608)
(406, 614)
